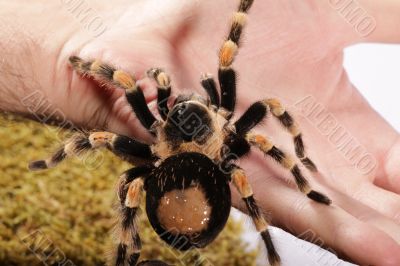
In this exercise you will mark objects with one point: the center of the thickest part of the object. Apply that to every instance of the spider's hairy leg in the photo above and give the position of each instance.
(279, 111)
(266, 146)
(109, 75)
(259, 110)
(209, 85)
(102, 72)
(80, 143)
(251, 118)
(227, 54)
(237, 147)
(242, 184)
(129, 194)
(163, 90)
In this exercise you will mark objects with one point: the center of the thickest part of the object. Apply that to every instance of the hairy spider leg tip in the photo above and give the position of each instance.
(37, 165)
(319, 197)
(275, 260)
(74, 59)
(309, 164)
(273, 256)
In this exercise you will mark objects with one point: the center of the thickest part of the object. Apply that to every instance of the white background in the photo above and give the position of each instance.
(375, 70)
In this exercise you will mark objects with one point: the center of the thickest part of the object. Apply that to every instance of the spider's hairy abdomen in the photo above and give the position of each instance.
(190, 200)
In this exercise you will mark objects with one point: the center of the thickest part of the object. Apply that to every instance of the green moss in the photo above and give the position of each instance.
(70, 208)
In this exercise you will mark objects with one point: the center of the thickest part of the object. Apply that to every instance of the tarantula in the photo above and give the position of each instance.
(186, 172)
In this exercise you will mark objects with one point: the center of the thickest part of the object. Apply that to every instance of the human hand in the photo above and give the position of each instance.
(292, 51)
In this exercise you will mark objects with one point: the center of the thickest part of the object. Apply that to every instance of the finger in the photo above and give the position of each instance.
(367, 214)
(385, 202)
(355, 239)
(390, 179)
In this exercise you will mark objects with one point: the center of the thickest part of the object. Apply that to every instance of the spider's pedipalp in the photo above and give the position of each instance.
(209, 85)
(163, 90)
(243, 186)
(268, 148)
(163, 95)
(160, 76)
(80, 143)
(108, 75)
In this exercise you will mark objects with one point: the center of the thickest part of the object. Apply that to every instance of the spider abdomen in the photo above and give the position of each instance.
(188, 200)
(185, 211)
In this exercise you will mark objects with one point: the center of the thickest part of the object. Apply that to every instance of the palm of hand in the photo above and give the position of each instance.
(290, 52)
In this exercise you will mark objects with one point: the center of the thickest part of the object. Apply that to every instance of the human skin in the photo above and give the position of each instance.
(292, 50)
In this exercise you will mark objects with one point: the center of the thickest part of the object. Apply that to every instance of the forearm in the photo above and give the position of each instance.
(15, 57)
(27, 50)
(36, 38)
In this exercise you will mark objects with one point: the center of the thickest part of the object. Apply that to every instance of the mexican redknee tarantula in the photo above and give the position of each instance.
(187, 170)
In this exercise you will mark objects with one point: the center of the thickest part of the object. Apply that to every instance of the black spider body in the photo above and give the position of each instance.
(187, 169)
(180, 173)
(188, 121)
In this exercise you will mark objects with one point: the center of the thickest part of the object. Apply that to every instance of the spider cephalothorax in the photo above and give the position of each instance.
(191, 126)
(186, 171)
